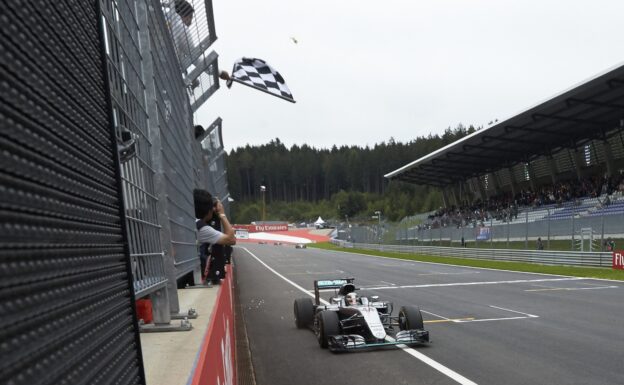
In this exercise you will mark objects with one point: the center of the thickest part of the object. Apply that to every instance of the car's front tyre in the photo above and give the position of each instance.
(304, 312)
(328, 324)
(410, 318)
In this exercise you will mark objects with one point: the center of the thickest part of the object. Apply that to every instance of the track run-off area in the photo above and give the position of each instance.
(486, 326)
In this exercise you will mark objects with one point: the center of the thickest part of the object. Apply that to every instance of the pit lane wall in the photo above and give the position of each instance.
(216, 359)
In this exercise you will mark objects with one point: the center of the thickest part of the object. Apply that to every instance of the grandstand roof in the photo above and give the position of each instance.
(591, 110)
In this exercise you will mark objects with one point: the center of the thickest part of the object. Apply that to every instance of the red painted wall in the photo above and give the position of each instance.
(216, 362)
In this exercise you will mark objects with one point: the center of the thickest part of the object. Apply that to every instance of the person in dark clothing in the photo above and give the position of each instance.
(185, 10)
(214, 231)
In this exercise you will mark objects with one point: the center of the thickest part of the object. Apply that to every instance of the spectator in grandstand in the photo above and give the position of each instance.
(505, 206)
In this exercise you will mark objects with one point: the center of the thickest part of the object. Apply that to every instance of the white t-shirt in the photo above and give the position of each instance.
(208, 235)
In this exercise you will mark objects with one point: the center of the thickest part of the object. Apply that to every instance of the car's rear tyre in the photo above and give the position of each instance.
(304, 312)
(410, 318)
(328, 325)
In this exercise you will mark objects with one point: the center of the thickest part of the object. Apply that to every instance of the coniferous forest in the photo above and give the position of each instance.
(304, 182)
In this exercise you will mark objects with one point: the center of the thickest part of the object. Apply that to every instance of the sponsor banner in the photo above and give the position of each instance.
(241, 233)
(484, 233)
(618, 259)
(263, 228)
(216, 361)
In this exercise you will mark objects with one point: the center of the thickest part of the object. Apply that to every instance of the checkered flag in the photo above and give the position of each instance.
(256, 73)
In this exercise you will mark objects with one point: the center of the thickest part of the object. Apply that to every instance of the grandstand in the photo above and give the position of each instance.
(560, 162)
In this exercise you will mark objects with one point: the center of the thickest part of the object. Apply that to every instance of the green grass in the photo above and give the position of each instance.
(573, 271)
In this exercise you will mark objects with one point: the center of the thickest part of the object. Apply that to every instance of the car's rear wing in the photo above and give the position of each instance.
(321, 284)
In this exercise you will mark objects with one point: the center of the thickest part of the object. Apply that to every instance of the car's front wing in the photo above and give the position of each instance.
(349, 342)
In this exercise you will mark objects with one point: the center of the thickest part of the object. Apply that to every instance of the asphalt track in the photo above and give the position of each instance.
(487, 326)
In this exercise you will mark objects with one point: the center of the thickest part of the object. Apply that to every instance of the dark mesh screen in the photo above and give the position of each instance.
(66, 314)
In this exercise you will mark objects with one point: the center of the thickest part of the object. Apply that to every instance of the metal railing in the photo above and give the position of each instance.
(568, 258)
(130, 117)
(584, 229)
(156, 85)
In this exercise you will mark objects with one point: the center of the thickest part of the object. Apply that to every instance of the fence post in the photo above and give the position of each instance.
(491, 233)
(526, 226)
(602, 232)
(548, 239)
(573, 210)
(508, 229)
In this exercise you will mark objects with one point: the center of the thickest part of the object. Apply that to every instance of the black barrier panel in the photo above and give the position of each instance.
(66, 296)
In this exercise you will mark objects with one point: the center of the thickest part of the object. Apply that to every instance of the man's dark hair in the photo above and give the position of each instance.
(199, 131)
(183, 8)
(203, 203)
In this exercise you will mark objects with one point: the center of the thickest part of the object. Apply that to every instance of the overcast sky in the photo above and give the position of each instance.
(364, 71)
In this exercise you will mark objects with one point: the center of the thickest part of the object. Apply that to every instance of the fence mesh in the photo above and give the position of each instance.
(66, 295)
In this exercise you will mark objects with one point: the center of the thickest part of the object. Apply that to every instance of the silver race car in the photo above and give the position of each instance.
(351, 322)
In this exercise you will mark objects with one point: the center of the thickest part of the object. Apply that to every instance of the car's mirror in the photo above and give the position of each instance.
(374, 297)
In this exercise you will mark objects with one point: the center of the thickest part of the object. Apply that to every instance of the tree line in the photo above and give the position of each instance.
(303, 182)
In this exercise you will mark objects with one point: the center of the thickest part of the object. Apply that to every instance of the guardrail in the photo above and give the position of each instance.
(568, 258)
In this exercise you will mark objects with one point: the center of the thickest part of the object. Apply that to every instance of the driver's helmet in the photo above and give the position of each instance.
(351, 299)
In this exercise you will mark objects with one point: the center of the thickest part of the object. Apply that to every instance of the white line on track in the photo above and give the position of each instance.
(515, 311)
(468, 320)
(436, 315)
(574, 288)
(416, 354)
(463, 273)
(462, 321)
(475, 283)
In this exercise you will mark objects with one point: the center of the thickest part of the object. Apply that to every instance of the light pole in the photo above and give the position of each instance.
(378, 216)
(262, 191)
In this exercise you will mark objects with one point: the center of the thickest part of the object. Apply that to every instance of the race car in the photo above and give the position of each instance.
(300, 246)
(350, 322)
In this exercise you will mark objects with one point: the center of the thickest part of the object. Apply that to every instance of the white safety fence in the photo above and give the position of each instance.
(548, 257)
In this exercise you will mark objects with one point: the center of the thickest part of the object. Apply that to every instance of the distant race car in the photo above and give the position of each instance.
(262, 243)
(350, 322)
(300, 246)
(277, 243)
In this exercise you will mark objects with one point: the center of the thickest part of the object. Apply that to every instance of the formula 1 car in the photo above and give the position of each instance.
(300, 246)
(350, 322)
